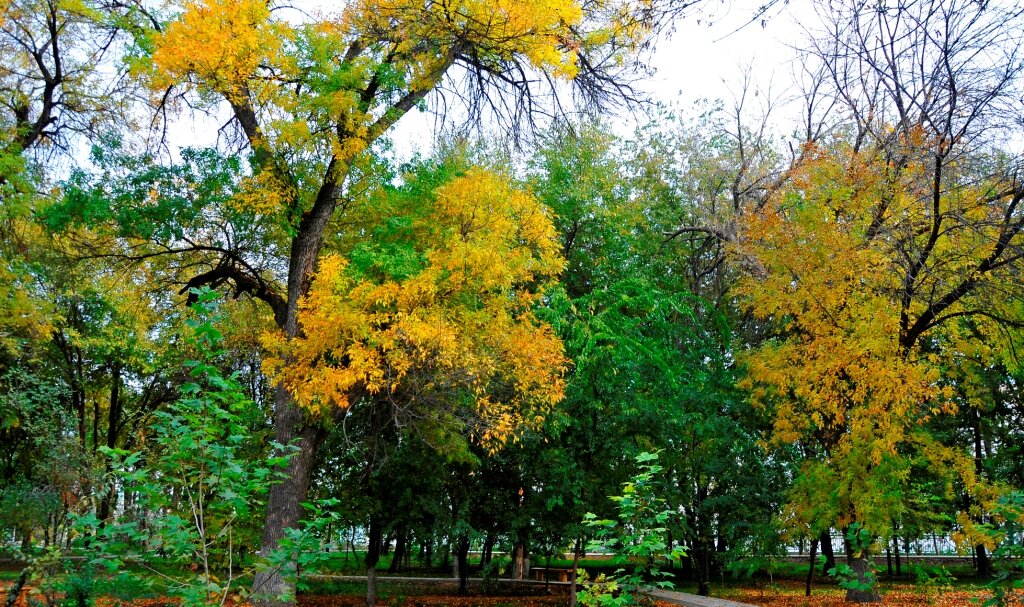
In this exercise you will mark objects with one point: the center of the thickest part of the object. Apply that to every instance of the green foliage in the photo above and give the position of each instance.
(1009, 578)
(860, 540)
(640, 534)
(936, 581)
(195, 483)
(59, 581)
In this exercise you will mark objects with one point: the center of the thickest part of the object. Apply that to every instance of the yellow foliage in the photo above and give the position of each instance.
(219, 42)
(459, 327)
(838, 378)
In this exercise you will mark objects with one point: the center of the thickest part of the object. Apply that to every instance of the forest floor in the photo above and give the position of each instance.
(791, 594)
(785, 593)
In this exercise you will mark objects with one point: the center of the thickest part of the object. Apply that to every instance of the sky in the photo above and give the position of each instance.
(703, 58)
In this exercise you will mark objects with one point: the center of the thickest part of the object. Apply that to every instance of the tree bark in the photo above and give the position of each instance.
(372, 556)
(462, 563)
(284, 510)
(577, 551)
(399, 554)
(984, 563)
(859, 564)
(113, 425)
(827, 551)
(520, 562)
(810, 568)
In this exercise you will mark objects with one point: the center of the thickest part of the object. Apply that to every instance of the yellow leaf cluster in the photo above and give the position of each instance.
(539, 30)
(219, 42)
(461, 326)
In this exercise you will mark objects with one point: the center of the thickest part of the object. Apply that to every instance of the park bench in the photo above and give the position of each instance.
(555, 574)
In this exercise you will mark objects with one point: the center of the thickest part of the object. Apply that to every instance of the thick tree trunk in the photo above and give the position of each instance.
(520, 562)
(284, 509)
(859, 565)
(399, 555)
(827, 550)
(462, 563)
(984, 563)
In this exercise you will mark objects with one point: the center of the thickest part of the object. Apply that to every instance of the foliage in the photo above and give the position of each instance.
(438, 305)
(640, 534)
(1008, 583)
(194, 483)
(936, 582)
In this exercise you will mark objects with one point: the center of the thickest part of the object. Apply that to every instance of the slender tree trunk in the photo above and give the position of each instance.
(576, 552)
(462, 562)
(896, 552)
(486, 553)
(810, 568)
(984, 566)
(372, 556)
(888, 560)
(15, 591)
(113, 424)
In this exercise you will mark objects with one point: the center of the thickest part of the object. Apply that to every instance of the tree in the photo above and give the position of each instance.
(310, 95)
(841, 377)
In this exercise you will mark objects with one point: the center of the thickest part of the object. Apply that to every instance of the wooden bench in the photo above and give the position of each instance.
(555, 574)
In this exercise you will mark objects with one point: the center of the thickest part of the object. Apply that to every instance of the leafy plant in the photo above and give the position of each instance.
(196, 485)
(639, 534)
(935, 581)
(1008, 582)
(849, 579)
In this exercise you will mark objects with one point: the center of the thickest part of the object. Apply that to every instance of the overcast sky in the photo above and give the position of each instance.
(703, 58)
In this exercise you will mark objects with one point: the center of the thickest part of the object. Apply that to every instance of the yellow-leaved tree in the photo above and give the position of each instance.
(435, 314)
(849, 375)
(310, 92)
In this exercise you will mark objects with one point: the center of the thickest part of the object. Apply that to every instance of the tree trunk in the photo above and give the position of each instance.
(576, 552)
(827, 551)
(462, 562)
(859, 564)
(399, 555)
(284, 500)
(15, 591)
(113, 425)
(372, 556)
(701, 559)
(487, 552)
(896, 552)
(984, 564)
(810, 568)
(520, 562)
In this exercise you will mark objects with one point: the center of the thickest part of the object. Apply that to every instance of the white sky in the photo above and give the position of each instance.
(702, 59)
(706, 60)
